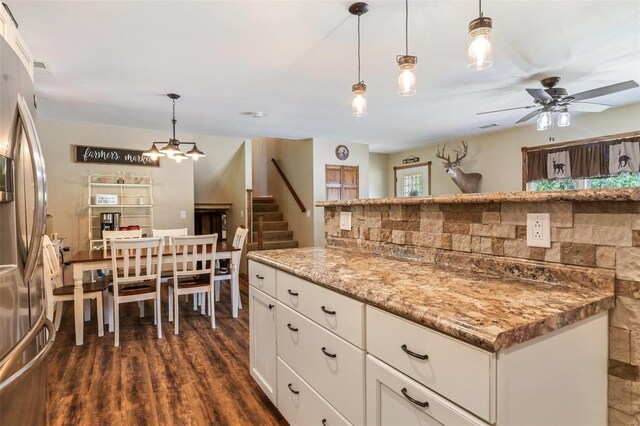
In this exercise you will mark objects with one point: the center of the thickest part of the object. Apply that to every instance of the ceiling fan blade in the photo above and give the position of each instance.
(540, 95)
(507, 109)
(605, 90)
(529, 116)
(588, 107)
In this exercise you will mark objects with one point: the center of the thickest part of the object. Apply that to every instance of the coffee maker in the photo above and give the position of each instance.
(109, 222)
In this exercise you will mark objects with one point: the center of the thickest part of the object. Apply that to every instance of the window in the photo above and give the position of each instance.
(412, 180)
(622, 180)
(412, 185)
(342, 182)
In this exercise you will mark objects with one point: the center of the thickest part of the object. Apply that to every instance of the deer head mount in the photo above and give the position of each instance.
(467, 182)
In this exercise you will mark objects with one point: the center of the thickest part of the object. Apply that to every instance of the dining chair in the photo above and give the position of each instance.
(192, 276)
(57, 293)
(137, 278)
(224, 274)
(167, 234)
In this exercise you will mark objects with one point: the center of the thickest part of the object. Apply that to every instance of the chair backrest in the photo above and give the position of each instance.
(203, 253)
(51, 260)
(109, 236)
(141, 260)
(167, 234)
(240, 237)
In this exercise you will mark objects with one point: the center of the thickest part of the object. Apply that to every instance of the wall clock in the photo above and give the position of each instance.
(342, 152)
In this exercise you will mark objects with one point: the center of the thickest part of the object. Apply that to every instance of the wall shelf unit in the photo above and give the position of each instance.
(134, 197)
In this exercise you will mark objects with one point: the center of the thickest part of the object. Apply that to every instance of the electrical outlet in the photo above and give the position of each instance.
(345, 221)
(183, 214)
(308, 213)
(539, 230)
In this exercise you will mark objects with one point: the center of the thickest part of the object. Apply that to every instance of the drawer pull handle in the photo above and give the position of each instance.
(413, 354)
(291, 328)
(270, 306)
(329, 354)
(293, 391)
(260, 277)
(292, 293)
(324, 422)
(415, 401)
(326, 311)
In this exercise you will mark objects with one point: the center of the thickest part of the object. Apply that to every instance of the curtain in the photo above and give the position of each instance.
(590, 159)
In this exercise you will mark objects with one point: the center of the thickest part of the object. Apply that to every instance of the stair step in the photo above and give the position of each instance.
(261, 208)
(274, 236)
(272, 226)
(273, 245)
(269, 216)
(266, 199)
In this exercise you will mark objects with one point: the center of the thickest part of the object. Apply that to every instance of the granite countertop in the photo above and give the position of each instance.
(490, 311)
(608, 194)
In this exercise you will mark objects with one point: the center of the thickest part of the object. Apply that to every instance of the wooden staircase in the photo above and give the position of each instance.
(276, 233)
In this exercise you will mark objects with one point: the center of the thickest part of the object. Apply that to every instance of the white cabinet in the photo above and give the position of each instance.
(395, 399)
(262, 340)
(263, 278)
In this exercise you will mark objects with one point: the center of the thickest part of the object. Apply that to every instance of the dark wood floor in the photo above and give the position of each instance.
(199, 377)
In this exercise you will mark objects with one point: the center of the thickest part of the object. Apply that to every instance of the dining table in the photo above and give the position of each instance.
(94, 260)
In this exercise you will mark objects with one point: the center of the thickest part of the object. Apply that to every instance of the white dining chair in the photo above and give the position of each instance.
(56, 293)
(224, 274)
(192, 276)
(168, 234)
(138, 277)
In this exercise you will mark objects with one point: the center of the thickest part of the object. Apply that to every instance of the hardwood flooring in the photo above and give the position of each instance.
(199, 377)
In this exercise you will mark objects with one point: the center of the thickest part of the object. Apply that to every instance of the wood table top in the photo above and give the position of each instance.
(84, 256)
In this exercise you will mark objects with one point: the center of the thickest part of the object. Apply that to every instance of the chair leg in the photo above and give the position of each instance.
(110, 313)
(213, 309)
(58, 315)
(170, 297)
(217, 284)
(141, 305)
(155, 313)
(87, 310)
(50, 309)
(159, 315)
(105, 301)
(195, 302)
(116, 321)
(210, 301)
(175, 314)
(203, 304)
(100, 315)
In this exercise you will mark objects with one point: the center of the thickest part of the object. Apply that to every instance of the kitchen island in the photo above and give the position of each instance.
(361, 338)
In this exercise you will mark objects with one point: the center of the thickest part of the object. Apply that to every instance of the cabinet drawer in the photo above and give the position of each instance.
(331, 365)
(460, 372)
(262, 277)
(395, 399)
(337, 313)
(300, 404)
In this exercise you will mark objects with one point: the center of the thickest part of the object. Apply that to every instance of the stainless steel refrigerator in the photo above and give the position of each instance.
(25, 334)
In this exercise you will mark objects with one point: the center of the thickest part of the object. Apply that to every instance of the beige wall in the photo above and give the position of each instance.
(497, 155)
(295, 158)
(67, 180)
(378, 175)
(323, 154)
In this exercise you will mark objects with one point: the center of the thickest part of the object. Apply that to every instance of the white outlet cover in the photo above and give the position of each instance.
(345, 221)
(183, 214)
(539, 230)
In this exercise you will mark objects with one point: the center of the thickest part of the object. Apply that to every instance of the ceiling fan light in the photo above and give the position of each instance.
(195, 153)
(407, 76)
(359, 102)
(480, 51)
(154, 153)
(564, 119)
(544, 120)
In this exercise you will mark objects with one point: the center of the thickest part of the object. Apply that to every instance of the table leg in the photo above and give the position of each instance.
(235, 285)
(78, 305)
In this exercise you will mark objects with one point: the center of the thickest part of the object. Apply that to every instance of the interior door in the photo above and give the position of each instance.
(342, 182)
(412, 181)
(30, 197)
(350, 182)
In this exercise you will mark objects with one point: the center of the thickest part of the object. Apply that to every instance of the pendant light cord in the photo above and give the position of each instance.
(173, 120)
(480, 7)
(406, 27)
(359, 49)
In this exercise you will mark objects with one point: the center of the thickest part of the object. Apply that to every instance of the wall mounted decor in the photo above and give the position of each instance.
(105, 155)
(342, 152)
(467, 182)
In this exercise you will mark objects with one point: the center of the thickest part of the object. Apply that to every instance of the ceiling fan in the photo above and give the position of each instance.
(554, 99)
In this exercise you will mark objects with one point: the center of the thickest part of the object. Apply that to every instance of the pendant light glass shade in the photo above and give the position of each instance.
(407, 76)
(544, 120)
(170, 149)
(195, 153)
(564, 119)
(359, 103)
(480, 51)
(179, 156)
(154, 153)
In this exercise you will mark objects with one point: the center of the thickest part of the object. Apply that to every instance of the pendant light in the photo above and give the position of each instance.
(544, 120)
(359, 90)
(172, 148)
(480, 51)
(564, 118)
(407, 63)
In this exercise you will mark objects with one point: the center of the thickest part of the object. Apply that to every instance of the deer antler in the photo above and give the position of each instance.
(460, 154)
(441, 156)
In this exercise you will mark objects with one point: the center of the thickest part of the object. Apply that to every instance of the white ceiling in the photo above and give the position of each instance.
(112, 62)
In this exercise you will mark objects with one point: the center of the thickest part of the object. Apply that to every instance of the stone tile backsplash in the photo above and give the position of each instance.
(599, 235)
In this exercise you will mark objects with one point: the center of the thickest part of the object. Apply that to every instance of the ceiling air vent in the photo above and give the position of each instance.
(38, 64)
(487, 126)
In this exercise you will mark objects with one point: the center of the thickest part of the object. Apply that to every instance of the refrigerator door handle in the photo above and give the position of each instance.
(15, 353)
(40, 182)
